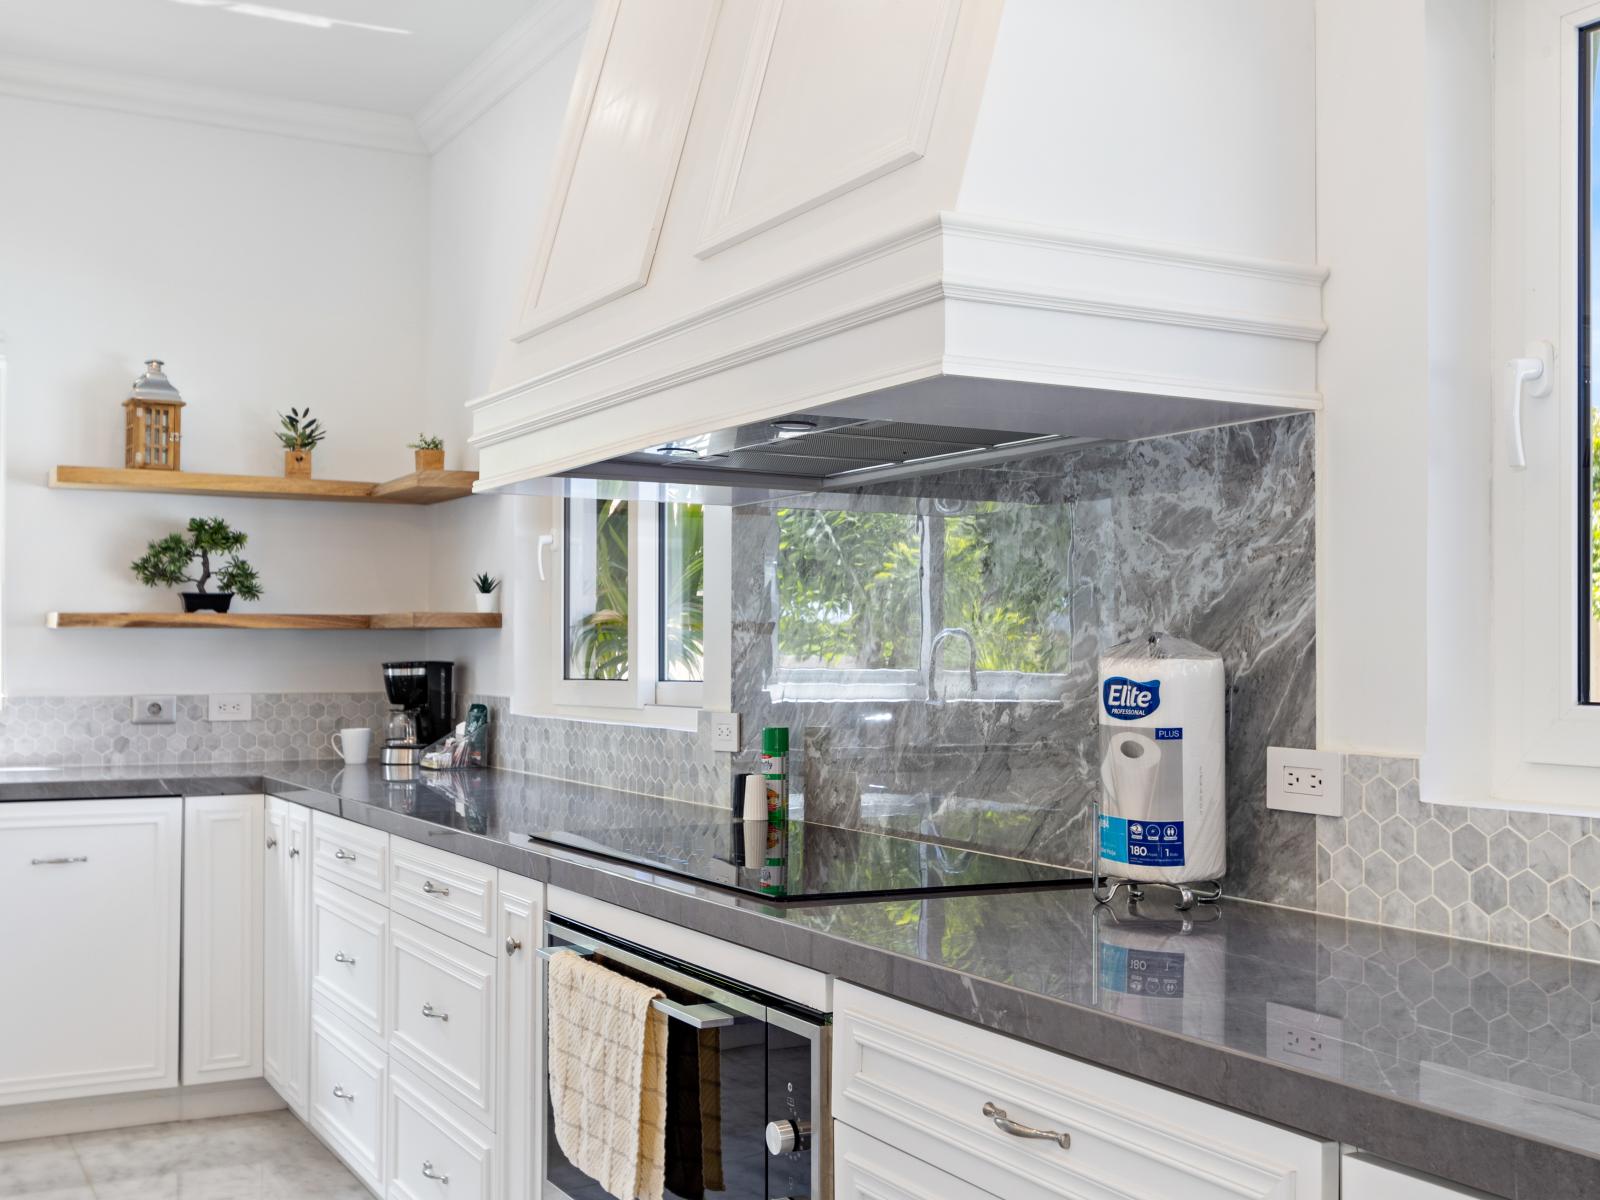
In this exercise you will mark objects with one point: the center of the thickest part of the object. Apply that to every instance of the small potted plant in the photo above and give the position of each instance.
(487, 588)
(167, 562)
(299, 434)
(430, 452)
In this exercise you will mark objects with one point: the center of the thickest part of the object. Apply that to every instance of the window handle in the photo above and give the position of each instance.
(546, 540)
(1532, 376)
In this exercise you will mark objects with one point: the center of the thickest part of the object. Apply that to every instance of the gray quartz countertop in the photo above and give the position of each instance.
(1478, 1064)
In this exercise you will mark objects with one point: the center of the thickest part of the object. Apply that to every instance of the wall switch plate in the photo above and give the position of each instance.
(725, 732)
(155, 710)
(1308, 781)
(234, 707)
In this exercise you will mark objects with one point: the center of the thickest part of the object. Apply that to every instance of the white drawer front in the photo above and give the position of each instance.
(351, 855)
(441, 1014)
(920, 1082)
(865, 1169)
(444, 891)
(348, 1083)
(435, 1151)
(349, 937)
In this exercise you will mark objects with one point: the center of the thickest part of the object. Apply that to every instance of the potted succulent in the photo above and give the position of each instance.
(299, 434)
(487, 588)
(430, 452)
(167, 563)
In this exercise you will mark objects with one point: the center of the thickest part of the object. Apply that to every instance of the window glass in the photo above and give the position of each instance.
(849, 589)
(597, 589)
(1005, 582)
(682, 592)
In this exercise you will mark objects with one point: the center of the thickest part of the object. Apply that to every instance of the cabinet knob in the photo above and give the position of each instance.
(427, 1011)
(429, 1173)
(272, 843)
(344, 855)
(434, 889)
(294, 852)
(340, 1094)
(998, 1115)
(512, 945)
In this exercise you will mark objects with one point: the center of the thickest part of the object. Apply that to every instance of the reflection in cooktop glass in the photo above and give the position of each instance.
(803, 861)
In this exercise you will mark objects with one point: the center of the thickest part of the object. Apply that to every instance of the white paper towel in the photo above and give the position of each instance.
(1163, 718)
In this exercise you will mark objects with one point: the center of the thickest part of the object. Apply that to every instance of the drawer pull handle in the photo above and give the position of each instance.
(512, 945)
(998, 1115)
(427, 1011)
(344, 855)
(433, 889)
(428, 1172)
(60, 862)
(272, 843)
(339, 956)
(340, 1094)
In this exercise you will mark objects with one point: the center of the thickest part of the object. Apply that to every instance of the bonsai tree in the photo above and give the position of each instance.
(301, 431)
(167, 561)
(426, 441)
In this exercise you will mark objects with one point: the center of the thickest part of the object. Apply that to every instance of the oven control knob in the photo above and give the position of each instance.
(786, 1136)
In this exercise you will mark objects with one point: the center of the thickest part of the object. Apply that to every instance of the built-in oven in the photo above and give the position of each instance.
(747, 1086)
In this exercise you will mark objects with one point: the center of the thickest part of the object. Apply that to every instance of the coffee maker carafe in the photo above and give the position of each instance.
(424, 706)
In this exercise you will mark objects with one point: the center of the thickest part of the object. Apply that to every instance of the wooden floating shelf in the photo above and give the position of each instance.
(206, 620)
(420, 487)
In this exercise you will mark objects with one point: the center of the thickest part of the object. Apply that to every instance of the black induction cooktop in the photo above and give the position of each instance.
(808, 862)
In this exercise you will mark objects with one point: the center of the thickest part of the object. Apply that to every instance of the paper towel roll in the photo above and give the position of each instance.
(1135, 764)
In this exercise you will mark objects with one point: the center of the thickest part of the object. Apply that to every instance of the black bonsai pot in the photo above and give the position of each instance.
(207, 601)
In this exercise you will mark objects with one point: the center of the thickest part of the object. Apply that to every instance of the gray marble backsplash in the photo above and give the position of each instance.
(1207, 535)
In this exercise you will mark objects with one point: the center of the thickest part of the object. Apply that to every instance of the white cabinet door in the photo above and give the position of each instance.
(519, 1047)
(93, 1005)
(286, 932)
(1363, 1178)
(222, 929)
(441, 1002)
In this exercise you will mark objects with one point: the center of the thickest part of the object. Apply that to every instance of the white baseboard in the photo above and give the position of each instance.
(86, 1114)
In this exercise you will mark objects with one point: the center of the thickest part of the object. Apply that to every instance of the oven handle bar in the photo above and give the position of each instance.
(696, 1016)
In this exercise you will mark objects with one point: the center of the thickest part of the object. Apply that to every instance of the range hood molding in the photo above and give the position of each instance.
(949, 316)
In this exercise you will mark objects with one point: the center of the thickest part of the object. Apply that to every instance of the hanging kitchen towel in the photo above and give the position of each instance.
(608, 1076)
(694, 1112)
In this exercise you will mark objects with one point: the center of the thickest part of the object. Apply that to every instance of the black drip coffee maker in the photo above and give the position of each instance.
(423, 697)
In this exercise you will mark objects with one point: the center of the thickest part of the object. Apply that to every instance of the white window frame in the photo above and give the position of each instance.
(1545, 744)
(542, 688)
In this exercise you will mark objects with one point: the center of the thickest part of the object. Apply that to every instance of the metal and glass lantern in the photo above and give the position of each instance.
(155, 421)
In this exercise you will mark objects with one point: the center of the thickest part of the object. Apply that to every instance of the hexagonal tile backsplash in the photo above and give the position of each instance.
(1510, 878)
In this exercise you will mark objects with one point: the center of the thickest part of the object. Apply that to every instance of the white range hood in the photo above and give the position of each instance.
(888, 221)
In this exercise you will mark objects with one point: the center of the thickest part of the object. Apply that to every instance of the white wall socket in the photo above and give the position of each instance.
(155, 710)
(1308, 781)
(228, 708)
(1305, 1039)
(725, 732)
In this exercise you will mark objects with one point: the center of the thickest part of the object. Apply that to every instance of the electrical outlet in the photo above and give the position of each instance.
(1308, 781)
(228, 708)
(725, 732)
(1302, 1038)
(155, 710)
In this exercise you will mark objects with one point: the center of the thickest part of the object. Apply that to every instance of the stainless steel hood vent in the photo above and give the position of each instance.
(816, 452)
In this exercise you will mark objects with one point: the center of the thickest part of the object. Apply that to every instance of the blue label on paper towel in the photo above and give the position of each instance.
(1141, 972)
(1130, 700)
(1143, 843)
(1169, 735)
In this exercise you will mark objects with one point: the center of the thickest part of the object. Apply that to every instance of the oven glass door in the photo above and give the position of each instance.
(724, 1086)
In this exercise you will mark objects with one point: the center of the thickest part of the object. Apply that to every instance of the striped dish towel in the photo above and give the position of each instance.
(608, 1076)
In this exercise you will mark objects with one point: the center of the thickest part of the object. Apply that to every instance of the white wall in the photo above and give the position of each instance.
(268, 272)
(487, 188)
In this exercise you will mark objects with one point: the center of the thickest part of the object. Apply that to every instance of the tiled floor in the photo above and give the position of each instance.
(266, 1156)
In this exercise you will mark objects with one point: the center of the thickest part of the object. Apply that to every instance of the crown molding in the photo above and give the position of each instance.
(514, 56)
(150, 97)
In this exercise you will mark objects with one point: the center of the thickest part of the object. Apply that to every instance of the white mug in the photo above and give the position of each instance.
(353, 744)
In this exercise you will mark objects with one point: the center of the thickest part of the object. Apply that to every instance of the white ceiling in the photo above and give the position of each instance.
(213, 44)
